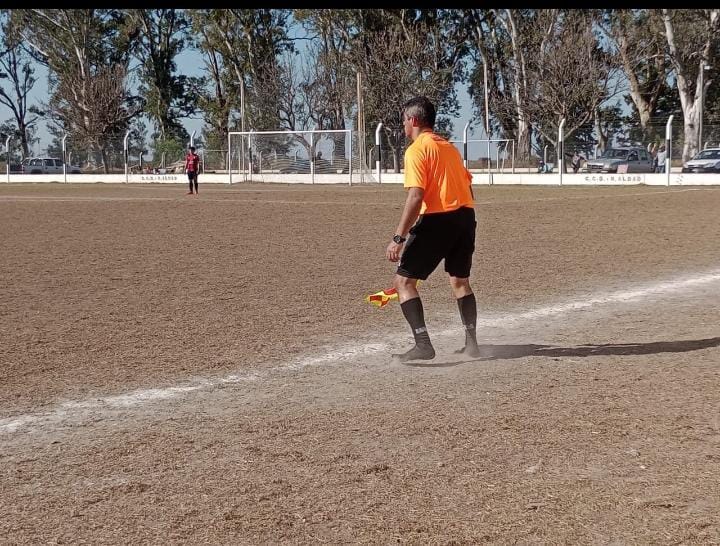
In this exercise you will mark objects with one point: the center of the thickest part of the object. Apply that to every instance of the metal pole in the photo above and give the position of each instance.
(202, 160)
(312, 157)
(465, 144)
(350, 160)
(248, 177)
(513, 156)
(125, 153)
(360, 128)
(242, 105)
(64, 152)
(487, 119)
(561, 151)
(545, 154)
(702, 97)
(703, 68)
(241, 159)
(379, 150)
(229, 164)
(192, 139)
(7, 157)
(668, 147)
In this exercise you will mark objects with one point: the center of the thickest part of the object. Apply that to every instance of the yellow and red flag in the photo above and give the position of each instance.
(382, 298)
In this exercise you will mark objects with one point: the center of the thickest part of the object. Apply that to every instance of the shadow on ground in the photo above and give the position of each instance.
(507, 352)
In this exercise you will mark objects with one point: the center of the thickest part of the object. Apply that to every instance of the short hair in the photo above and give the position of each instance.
(421, 109)
(192, 148)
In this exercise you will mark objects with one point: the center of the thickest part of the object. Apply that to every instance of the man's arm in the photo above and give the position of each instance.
(407, 219)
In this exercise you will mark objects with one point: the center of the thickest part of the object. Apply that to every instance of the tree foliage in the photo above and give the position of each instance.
(87, 56)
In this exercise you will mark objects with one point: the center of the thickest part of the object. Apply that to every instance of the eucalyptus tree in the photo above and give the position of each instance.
(571, 73)
(159, 36)
(543, 65)
(693, 36)
(328, 88)
(408, 52)
(217, 94)
(499, 48)
(17, 79)
(87, 55)
(249, 43)
(637, 39)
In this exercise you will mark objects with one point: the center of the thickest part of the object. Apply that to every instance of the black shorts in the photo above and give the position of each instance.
(434, 237)
(192, 175)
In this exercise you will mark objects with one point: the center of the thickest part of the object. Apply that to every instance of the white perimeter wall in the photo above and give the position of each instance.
(479, 178)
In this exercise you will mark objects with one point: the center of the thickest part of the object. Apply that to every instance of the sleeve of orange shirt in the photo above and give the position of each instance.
(415, 170)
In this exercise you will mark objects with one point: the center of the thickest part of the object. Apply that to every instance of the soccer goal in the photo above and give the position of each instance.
(316, 157)
(496, 154)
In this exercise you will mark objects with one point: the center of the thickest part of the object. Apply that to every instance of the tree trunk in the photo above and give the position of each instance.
(690, 91)
(523, 142)
(603, 137)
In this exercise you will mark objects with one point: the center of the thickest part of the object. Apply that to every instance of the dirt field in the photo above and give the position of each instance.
(203, 369)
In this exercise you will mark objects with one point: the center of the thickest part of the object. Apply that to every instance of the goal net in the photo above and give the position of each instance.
(317, 157)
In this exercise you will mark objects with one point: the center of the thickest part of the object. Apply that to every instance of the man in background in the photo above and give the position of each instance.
(192, 163)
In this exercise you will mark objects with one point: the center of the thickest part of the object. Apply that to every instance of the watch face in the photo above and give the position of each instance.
(398, 239)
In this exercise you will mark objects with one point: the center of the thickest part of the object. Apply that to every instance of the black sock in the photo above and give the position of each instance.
(196, 185)
(423, 349)
(414, 314)
(468, 314)
(191, 186)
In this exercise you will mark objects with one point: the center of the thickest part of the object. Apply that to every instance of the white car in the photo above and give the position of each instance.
(707, 161)
(46, 165)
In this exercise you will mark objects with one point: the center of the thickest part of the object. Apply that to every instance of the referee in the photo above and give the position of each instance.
(440, 198)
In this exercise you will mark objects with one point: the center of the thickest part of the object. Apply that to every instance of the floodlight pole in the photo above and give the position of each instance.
(7, 156)
(465, 144)
(668, 147)
(125, 153)
(64, 152)
(379, 151)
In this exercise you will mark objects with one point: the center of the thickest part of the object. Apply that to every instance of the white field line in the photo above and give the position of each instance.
(74, 410)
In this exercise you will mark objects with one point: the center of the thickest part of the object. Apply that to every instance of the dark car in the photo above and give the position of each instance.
(707, 161)
(637, 160)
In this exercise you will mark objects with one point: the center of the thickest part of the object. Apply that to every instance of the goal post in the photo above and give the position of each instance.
(312, 156)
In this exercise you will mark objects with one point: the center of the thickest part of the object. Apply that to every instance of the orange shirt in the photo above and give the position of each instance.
(435, 165)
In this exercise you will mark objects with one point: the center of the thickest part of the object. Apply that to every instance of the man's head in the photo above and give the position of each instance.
(192, 149)
(418, 112)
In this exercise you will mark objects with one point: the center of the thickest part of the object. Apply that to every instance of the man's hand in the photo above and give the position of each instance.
(393, 251)
(410, 212)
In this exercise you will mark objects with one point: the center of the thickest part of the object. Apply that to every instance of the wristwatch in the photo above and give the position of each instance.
(399, 239)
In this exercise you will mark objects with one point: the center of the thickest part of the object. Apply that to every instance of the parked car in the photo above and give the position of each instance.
(637, 159)
(46, 165)
(707, 161)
